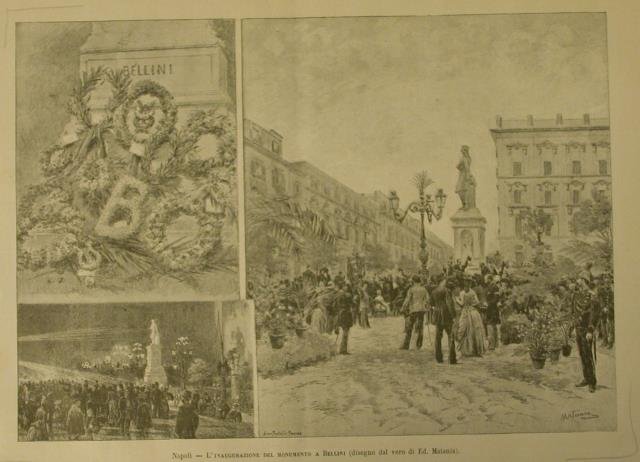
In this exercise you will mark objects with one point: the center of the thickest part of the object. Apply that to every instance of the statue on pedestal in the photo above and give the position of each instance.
(468, 222)
(466, 185)
(154, 372)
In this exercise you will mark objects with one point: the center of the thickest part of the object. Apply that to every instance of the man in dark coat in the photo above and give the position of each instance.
(75, 421)
(342, 304)
(492, 318)
(143, 416)
(185, 418)
(444, 316)
(125, 407)
(414, 308)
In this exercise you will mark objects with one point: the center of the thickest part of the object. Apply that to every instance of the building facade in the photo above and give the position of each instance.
(355, 218)
(548, 164)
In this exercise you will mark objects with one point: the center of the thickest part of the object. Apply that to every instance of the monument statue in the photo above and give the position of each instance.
(468, 222)
(154, 372)
(155, 334)
(466, 185)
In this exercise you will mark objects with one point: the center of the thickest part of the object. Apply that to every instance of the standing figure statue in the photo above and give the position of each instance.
(155, 333)
(466, 185)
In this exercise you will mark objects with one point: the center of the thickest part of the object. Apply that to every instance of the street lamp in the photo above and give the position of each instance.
(431, 206)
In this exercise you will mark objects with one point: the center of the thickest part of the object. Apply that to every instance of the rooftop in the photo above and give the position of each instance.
(529, 123)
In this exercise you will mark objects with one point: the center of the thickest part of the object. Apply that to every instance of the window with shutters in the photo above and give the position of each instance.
(575, 196)
(603, 168)
(517, 196)
(576, 167)
(518, 225)
(517, 168)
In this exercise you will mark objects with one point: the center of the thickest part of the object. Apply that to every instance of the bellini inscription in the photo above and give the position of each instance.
(147, 69)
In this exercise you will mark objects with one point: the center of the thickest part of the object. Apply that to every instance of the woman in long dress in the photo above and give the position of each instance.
(365, 306)
(470, 331)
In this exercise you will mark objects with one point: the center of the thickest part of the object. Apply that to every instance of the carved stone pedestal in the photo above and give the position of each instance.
(468, 237)
(154, 371)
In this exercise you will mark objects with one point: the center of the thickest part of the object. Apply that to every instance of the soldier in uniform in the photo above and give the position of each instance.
(584, 316)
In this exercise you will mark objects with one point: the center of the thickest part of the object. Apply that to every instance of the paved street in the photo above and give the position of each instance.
(381, 390)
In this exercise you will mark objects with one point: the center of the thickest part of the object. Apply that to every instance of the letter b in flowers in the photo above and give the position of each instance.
(120, 217)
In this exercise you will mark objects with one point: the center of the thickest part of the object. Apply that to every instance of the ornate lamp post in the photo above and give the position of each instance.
(426, 205)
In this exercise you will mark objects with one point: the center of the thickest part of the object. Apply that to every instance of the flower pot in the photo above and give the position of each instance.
(277, 341)
(566, 350)
(554, 355)
(300, 331)
(537, 361)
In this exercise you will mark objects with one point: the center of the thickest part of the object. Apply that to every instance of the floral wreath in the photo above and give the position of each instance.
(213, 178)
(188, 255)
(165, 126)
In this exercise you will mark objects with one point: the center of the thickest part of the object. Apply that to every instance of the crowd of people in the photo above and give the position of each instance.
(64, 409)
(467, 306)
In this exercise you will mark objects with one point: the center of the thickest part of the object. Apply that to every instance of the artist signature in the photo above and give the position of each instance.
(578, 414)
(282, 433)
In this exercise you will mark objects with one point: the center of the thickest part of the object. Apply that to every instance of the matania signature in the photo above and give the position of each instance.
(580, 414)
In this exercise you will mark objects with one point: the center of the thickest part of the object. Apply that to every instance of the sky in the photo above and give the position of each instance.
(372, 101)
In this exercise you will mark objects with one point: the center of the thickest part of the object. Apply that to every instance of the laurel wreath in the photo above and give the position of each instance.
(165, 126)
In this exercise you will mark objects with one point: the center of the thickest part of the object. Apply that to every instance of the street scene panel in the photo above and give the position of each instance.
(428, 220)
(126, 161)
(135, 371)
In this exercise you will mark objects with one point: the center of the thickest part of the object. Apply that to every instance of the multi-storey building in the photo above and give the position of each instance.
(552, 165)
(355, 218)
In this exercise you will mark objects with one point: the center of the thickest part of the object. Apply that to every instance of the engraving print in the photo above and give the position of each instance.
(428, 224)
(135, 371)
(126, 161)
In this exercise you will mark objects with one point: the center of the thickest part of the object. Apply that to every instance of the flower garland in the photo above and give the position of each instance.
(79, 181)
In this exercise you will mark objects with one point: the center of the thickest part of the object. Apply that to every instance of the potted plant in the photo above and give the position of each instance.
(537, 336)
(276, 322)
(298, 324)
(555, 346)
(556, 336)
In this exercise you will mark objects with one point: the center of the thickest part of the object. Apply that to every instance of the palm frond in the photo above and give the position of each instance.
(129, 255)
(421, 180)
(78, 104)
(287, 222)
(583, 251)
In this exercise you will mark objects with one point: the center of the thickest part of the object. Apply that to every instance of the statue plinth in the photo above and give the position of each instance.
(468, 236)
(154, 371)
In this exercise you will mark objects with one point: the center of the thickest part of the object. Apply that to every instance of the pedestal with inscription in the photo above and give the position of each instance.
(468, 237)
(184, 56)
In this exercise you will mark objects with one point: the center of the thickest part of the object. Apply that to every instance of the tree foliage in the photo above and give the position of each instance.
(591, 223)
(535, 224)
(378, 257)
